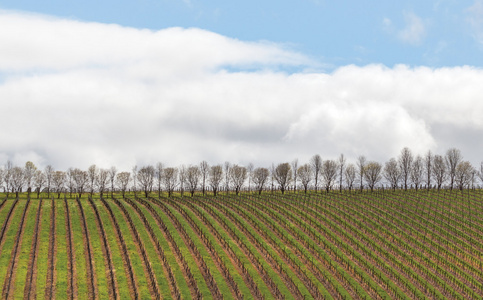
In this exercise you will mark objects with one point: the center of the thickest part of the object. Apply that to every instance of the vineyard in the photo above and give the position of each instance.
(424, 244)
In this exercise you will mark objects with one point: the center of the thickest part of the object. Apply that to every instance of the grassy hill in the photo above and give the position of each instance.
(391, 244)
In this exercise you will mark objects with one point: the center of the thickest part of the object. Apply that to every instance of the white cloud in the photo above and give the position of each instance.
(37, 42)
(78, 93)
(414, 31)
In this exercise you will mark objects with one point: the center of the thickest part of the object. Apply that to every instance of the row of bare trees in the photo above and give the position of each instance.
(405, 171)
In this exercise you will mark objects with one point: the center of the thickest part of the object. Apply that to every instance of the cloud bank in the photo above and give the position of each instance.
(75, 93)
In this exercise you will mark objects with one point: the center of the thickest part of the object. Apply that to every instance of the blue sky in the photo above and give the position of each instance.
(334, 33)
(245, 81)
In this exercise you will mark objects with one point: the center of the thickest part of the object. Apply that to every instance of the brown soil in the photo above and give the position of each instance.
(71, 265)
(30, 291)
(210, 282)
(229, 252)
(90, 268)
(6, 224)
(194, 291)
(51, 274)
(275, 266)
(168, 273)
(258, 267)
(153, 284)
(132, 282)
(236, 294)
(111, 278)
(8, 286)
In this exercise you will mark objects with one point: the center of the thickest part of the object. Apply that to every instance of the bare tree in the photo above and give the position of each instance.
(134, 179)
(259, 177)
(102, 180)
(361, 165)
(283, 176)
(341, 170)
(29, 172)
(81, 179)
(145, 177)
(316, 163)
(249, 175)
(463, 174)
(92, 173)
(215, 178)
(58, 180)
(392, 173)
(453, 158)
(405, 161)
(49, 172)
(329, 173)
(350, 175)
(159, 176)
(193, 176)
(17, 180)
(473, 179)
(227, 176)
(295, 167)
(70, 180)
(272, 178)
(480, 173)
(238, 175)
(122, 181)
(7, 176)
(439, 170)
(39, 179)
(417, 171)
(112, 179)
(204, 170)
(182, 179)
(428, 167)
(305, 175)
(170, 178)
(372, 174)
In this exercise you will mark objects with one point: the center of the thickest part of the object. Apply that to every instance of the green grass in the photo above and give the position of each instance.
(278, 244)
(78, 244)
(43, 250)
(170, 256)
(61, 259)
(221, 253)
(150, 251)
(253, 249)
(134, 254)
(24, 250)
(117, 261)
(217, 276)
(9, 239)
(96, 248)
(418, 231)
(204, 290)
(246, 262)
(4, 211)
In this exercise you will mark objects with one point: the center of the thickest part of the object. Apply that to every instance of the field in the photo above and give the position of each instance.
(349, 245)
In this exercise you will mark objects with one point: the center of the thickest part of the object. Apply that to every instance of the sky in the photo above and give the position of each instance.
(137, 82)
